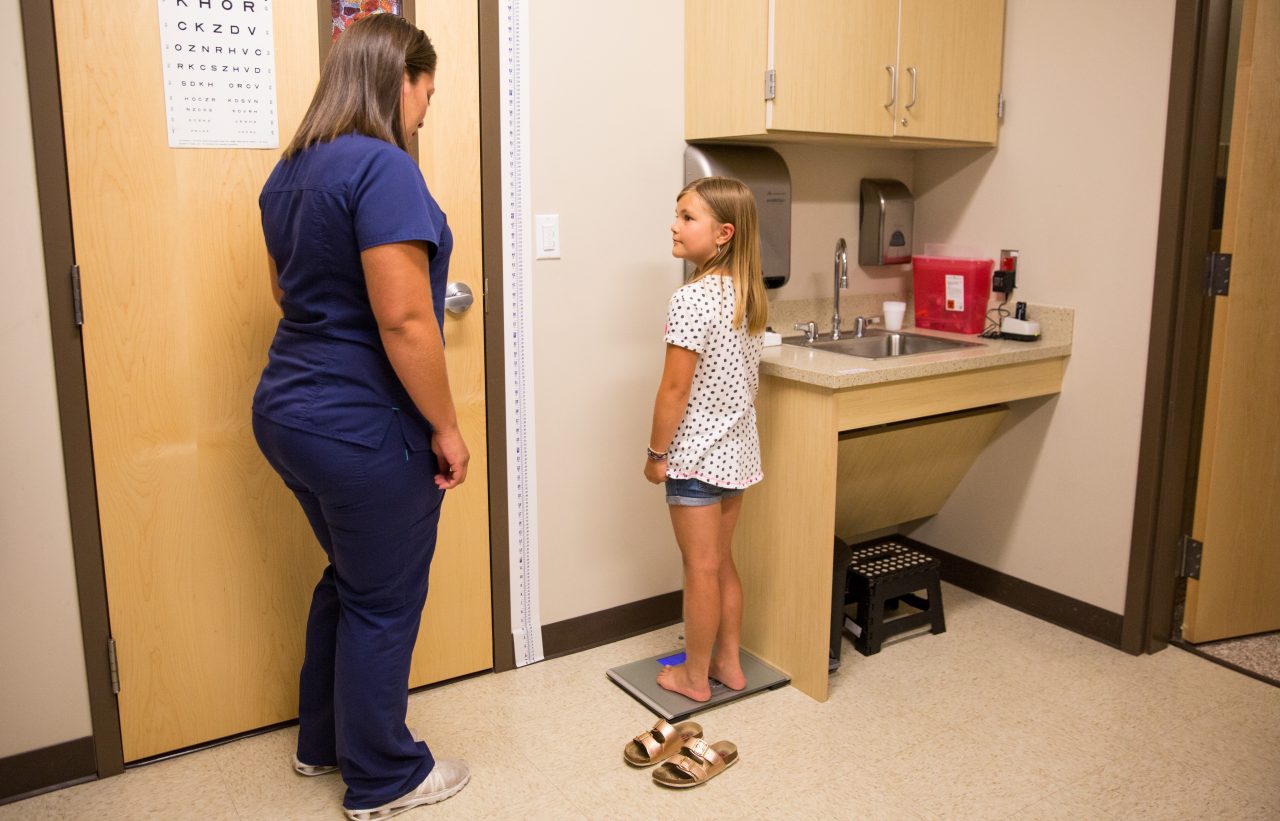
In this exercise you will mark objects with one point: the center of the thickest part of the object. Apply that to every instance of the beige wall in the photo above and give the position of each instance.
(606, 126)
(42, 676)
(1075, 186)
(824, 207)
(607, 146)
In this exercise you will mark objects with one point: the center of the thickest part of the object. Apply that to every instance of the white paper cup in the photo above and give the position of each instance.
(893, 314)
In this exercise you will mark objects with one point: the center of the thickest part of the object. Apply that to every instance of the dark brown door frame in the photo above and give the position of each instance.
(68, 363)
(1181, 322)
(504, 653)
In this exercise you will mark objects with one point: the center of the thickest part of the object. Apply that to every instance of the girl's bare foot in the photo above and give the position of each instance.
(728, 673)
(676, 679)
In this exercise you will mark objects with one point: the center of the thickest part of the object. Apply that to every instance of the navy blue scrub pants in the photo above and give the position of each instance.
(375, 514)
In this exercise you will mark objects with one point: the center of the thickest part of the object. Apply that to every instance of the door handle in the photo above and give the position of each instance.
(893, 86)
(458, 298)
(914, 87)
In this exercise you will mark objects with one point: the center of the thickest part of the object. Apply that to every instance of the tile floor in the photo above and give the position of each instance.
(1002, 716)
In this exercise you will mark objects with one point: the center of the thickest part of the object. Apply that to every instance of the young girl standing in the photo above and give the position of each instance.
(704, 444)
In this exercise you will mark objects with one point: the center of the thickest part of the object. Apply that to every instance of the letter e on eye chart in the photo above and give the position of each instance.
(219, 73)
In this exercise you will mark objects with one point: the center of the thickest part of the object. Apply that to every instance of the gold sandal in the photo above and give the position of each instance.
(660, 743)
(697, 763)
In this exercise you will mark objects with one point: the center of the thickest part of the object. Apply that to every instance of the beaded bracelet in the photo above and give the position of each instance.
(654, 456)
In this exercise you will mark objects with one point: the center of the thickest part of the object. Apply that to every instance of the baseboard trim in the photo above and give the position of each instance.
(26, 774)
(1074, 615)
(602, 627)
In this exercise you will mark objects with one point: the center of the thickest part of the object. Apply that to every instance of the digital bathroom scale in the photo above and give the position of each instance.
(640, 679)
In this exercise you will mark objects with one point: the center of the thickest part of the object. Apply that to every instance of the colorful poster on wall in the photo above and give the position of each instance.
(219, 73)
(345, 12)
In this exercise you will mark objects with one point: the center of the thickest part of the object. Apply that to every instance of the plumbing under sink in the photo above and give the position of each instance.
(878, 344)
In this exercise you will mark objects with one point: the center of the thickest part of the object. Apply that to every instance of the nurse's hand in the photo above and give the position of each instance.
(451, 455)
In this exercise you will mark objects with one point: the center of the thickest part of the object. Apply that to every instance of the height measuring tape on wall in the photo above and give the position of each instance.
(517, 237)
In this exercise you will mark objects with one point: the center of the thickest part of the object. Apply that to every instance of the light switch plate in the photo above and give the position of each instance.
(547, 239)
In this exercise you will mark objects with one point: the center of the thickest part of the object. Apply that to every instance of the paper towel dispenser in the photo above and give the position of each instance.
(887, 212)
(764, 172)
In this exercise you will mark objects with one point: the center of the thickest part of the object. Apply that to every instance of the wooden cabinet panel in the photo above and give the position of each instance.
(949, 64)
(837, 62)
(726, 52)
(833, 59)
(892, 474)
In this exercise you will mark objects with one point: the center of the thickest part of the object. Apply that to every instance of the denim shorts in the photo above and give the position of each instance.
(696, 493)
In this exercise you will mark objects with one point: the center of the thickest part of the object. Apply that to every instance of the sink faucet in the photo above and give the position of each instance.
(841, 281)
(810, 331)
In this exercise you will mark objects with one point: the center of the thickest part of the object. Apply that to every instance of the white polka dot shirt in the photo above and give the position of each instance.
(716, 441)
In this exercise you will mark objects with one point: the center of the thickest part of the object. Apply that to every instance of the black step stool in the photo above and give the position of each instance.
(876, 575)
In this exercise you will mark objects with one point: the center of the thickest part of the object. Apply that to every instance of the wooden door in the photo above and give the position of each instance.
(832, 59)
(949, 62)
(209, 562)
(1236, 514)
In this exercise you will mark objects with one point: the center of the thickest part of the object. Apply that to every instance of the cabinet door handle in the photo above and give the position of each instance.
(914, 77)
(893, 85)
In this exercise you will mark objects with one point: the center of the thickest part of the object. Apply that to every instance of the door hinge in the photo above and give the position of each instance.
(1218, 272)
(1190, 551)
(770, 84)
(115, 666)
(76, 301)
(1000, 106)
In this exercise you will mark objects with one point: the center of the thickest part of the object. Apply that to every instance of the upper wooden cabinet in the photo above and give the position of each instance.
(903, 71)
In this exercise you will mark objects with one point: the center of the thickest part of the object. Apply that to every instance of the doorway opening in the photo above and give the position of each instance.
(1201, 570)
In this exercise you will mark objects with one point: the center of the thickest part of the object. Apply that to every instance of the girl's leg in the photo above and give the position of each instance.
(697, 532)
(726, 667)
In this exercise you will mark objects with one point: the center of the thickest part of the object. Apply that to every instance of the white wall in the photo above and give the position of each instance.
(1075, 186)
(42, 675)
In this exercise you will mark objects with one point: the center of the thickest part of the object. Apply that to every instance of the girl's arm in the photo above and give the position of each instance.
(670, 405)
(400, 295)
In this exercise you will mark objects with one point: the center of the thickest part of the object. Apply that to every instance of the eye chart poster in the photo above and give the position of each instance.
(219, 73)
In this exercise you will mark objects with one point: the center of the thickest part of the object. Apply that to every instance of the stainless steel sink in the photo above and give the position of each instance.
(879, 344)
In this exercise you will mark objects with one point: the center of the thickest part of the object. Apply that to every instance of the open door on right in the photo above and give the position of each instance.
(1237, 514)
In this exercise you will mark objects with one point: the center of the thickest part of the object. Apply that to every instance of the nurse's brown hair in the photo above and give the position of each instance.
(361, 81)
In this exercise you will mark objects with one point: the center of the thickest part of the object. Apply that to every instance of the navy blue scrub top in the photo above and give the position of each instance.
(327, 372)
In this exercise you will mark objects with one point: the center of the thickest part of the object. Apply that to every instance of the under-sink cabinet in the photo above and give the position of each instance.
(890, 474)
(909, 72)
(851, 458)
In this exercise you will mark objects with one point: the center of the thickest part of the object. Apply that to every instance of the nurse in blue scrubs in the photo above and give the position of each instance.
(353, 409)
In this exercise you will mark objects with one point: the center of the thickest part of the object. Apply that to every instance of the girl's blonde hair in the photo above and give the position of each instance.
(731, 201)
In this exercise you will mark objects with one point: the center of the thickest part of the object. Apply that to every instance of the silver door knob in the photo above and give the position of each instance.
(457, 298)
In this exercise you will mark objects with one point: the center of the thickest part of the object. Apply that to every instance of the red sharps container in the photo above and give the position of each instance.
(951, 293)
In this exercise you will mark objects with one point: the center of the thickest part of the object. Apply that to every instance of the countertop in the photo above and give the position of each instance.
(837, 371)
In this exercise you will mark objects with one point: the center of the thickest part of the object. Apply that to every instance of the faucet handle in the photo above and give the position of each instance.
(860, 324)
(810, 330)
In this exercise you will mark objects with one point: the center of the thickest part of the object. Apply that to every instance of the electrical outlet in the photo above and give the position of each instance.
(1003, 282)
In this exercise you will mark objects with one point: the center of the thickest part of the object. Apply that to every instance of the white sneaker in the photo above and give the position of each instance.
(448, 778)
(313, 769)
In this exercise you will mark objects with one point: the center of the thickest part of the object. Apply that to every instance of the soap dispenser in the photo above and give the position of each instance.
(887, 211)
